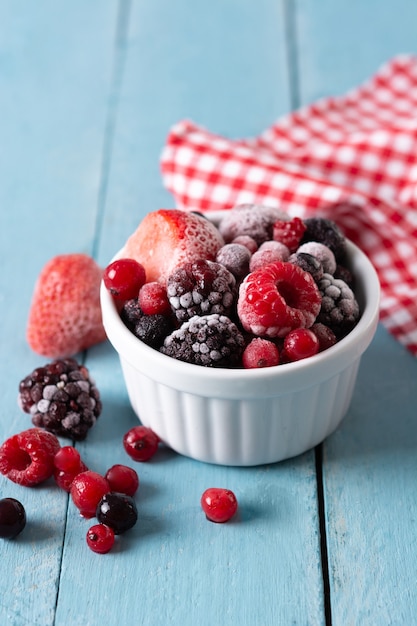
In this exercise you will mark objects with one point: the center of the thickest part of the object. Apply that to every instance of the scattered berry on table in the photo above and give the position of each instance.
(208, 340)
(153, 299)
(308, 263)
(260, 353)
(201, 288)
(122, 479)
(300, 343)
(268, 252)
(276, 299)
(253, 220)
(325, 335)
(64, 479)
(118, 511)
(322, 253)
(67, 465)
(123, 278)
(65, 312)
(62, 398)
(219, 504)
(27, 458)
(87, 489)
(140, 443)
(339, 307)
(289, 232)
(12, 518)
(327, 232)
(235, 257)
(100, 538)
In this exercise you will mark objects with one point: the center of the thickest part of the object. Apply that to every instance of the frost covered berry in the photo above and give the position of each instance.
(339, 307)
(260, 353)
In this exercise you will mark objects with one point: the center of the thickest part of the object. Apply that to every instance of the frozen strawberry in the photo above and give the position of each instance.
(65, 313)
(166, 239)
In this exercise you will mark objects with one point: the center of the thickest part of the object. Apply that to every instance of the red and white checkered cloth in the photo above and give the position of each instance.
(352, 159)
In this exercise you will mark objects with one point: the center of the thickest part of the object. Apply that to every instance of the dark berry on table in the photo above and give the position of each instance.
(260, 353)
(201, 288)
(123, 278)
(87, 489)
(62, 398)
(219, 504)
(308, 263)
(289, 232)
(28, 457)
(253, 220)
(122, 479)
(300, 343)
(210, 340)
(100, 538)
(268, 252)
(118, 511)
(327, 232)
(153, 299)
(325, 335)
(140, 443)
(152, 329)
(234, 257)
(276, 299)
(339, 307)
(131, 313)
(12, 518)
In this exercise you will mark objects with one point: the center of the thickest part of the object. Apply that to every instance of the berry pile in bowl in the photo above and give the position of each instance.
(239, 333)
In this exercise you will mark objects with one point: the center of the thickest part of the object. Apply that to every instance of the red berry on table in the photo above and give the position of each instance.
(260, 353)
(153, 299)
(300, 344)
(86, 491)
(219, 505)
(65, 313)
(12, 518)
(140, 443)
(67, 459)
(123, 278)
(100, 538)
(28, 457)
(123, 479)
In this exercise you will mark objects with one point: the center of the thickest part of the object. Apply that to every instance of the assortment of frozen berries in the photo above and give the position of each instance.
(271, 278)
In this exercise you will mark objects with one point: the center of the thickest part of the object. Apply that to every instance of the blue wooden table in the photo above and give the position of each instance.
(88, 92)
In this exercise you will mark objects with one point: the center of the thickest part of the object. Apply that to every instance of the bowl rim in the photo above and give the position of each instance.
(240, 382)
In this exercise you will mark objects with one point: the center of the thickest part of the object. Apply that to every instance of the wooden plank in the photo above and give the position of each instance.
(55, 71)
(210, 63)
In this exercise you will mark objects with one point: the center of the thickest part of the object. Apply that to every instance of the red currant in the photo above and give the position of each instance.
(153, 299)
(218, 504)
(260, 353)
(140, 443)
(67, 459)
(100, 538)
(64, 479)
(123, 479)
(123, 278)
(300, 344)
(87, 489)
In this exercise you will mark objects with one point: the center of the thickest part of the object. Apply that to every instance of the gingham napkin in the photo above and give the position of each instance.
(351, 158)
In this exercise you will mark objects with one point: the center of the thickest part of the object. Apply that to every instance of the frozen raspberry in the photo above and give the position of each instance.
(153, 299)
(300, 343)
(62, 398)
(339, 307)
(260, 353)
(201, 288)
(325, 335)
(308, 263)
(28, 457)
(219, 504)
(123, 278)
(235, 258)
(249, 219)
(152, 329)
(268, 252)
(87, 489)
(327, 232)
(247, 241)
(289, 232)
(322, 253)
(276, 299)
(210, 340)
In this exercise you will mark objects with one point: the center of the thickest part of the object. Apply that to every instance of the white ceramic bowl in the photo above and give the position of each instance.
(246, 417)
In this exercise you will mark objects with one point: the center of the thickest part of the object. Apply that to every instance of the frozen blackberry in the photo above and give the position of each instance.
(339, 307)
(131, 313)
(201, 288)
(152, 329)
(308, 263)
(210, 340)
(327, 232)
(61, 398)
